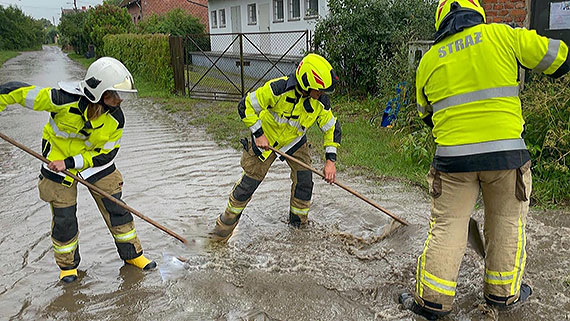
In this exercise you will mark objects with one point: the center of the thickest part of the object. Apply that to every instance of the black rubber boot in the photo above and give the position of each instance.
(407, 300)
(501, 302)
(294, 220)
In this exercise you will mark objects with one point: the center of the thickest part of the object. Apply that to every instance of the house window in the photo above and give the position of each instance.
(251, 14)
(278, 15)
(311, 8)
(222, 18)
(214, 17)
(294, 9)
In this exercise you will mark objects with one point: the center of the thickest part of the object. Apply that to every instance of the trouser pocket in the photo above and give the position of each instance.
(434, 182)
(521, 187)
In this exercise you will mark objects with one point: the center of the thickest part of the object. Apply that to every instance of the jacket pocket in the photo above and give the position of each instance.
(434, 182)
(521, 187)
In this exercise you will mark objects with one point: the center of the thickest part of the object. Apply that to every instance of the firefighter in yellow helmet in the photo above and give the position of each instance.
(467, 91)
(279, 114)
(82, 135)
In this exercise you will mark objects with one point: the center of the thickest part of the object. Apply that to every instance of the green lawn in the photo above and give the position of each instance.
(6, 55)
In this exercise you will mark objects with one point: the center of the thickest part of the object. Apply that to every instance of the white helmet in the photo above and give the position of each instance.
(104, 74)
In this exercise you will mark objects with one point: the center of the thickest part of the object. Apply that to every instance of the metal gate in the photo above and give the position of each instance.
(226, 66)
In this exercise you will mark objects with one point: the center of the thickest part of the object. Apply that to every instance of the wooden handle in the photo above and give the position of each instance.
(355, 193)
(95, 189)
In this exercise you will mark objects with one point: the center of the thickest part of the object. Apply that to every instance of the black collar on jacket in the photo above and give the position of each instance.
(456, 22)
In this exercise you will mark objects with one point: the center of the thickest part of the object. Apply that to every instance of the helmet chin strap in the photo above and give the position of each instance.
(106, 107)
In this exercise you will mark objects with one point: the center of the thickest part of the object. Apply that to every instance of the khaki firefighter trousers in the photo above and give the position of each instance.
(65, 231)
(254, 171)
(506, 196)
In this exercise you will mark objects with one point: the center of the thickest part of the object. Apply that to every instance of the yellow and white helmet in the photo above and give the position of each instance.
(445, 7)
(315, 72)
(105, 74)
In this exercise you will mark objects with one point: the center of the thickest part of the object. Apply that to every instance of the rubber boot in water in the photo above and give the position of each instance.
(501, 302)
(225, 225)
(68, 276)
(142, 263)
(407, 300)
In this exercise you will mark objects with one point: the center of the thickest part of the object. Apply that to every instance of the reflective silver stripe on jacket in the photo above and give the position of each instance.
(31, 97)
(254, 102)
(61, 133)
(550, 56)
(421, 109)
(328, 125)
(293, 123)
(480, 148)
(512, 91)
(78, 159)
(94, 170)
(111, 145)
(330, 149)
(253, 128)
(287, 147)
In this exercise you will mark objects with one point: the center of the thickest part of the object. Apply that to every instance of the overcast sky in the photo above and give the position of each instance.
(49, 9)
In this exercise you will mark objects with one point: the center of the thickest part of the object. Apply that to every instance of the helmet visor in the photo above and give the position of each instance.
(124, 95)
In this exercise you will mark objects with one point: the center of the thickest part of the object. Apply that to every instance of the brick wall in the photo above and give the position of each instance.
(162, 6)
(512, 12)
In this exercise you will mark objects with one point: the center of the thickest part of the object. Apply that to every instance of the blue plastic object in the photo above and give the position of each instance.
(394, 104)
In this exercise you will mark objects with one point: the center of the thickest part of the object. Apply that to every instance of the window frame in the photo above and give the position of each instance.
(222, 12)
(250, 21)
(276, 11)
(307, 8)
(290, 11)
(214, 19)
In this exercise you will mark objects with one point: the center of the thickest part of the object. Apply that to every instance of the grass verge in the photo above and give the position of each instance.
(6, 55)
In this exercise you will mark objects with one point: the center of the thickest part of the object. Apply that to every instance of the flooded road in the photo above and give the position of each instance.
(339, 268)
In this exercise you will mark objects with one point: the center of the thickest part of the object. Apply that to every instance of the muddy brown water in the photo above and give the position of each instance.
(336, 269)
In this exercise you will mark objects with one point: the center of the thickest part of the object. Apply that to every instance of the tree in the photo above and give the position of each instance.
(71, 30)
(359, 35)
(176, 22)
(104, 20)
(18, 31)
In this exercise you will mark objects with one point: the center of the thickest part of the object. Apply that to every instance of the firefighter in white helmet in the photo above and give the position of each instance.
(83, 136)
(279, 114)
(467, 91)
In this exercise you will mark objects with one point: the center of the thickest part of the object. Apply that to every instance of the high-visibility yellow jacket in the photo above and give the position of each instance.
(467, 83)
(279, 111)
(88, 147)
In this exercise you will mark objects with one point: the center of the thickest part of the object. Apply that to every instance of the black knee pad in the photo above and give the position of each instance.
(304, 187)
(64, 223)
(245, 188)
(118, 215)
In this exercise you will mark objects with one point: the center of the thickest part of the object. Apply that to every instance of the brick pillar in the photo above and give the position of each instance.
(513, 12)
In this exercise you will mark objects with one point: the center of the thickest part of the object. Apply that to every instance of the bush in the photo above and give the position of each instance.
(71, 30)
(105, 20)
(358, 35)
(546, 108)
(177, 23)
(146, 56)
(18, 31)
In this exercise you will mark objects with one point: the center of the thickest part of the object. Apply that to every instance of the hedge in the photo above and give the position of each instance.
(146, 56)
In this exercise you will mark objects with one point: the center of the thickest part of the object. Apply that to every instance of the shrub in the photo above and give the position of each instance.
(18, 31)
(546, 108)
(146, 56)
(105, 20)
(359, 34)
(176, 22)
(71, 30)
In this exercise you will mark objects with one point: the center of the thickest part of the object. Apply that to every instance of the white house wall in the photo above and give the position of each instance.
(275, 44)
